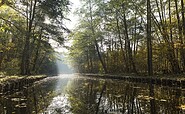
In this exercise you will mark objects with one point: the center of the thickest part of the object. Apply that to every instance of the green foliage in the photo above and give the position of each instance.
(24, 33)
(120, 24)
(54, 8)
(12, 67)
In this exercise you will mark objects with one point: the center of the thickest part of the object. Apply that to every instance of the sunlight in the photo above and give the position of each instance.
(70, 24)
(47, 21)
(62, 66)
(59, 104)
(73, 18)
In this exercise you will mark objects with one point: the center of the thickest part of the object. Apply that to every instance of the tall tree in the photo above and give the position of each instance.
(27, 30)
(94, 38)
(149, 39)
(53, 10)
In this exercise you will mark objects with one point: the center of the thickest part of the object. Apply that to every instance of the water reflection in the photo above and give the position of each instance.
(79, 95)
(120, 97)
(33, 100)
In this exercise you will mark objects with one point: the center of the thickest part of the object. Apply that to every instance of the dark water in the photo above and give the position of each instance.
(70, 94)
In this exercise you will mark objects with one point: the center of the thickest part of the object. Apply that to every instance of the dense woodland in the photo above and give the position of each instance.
(112, 36)
(124, 36)
(26, 29)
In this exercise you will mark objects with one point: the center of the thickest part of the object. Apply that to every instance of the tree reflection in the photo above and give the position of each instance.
(82, 96)
(32, 100)
(86, 96)
(120, 97)
(152, 100)
(92, 96)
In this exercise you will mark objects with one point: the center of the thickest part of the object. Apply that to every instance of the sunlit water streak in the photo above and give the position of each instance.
(67, 94)
(60, 103)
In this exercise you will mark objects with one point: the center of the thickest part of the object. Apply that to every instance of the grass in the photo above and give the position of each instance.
(5, 79)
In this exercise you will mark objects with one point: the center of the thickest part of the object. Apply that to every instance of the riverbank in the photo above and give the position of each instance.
(172, 81)
(10, 84)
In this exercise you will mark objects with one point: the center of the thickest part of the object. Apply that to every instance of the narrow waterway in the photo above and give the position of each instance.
(74, 94)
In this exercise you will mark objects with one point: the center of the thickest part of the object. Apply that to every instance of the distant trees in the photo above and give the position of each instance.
(26, 29)
(121, 28)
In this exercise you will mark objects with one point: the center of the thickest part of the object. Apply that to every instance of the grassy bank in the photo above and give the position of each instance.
(10, 84)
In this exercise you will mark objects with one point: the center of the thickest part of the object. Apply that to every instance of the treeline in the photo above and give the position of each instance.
(26, 28)
(112, 36)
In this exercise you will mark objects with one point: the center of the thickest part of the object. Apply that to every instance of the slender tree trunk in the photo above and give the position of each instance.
(170, 47)
(183, 19)
(100, 57)
(25, 65)
(95, 40)
(135, 33)
(121, 43)
(183, 27)
(1, 59)
(149, 39)
(131, 60)
(170, 20)
(182, 54)
(37, 52)
(88, 64)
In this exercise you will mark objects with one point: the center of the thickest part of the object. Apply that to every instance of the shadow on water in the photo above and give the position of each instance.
(79, 95)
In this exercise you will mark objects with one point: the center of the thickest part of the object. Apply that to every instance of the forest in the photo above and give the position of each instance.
(128, 57)
(112, 36)
(129, 36)
(26, 29)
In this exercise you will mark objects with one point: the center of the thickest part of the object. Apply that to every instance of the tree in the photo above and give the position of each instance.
(149, 39)
(120, 31)
(30, 34)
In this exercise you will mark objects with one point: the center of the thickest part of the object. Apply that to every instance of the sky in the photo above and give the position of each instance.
(63, 66)
(74, 18)
(70, 24)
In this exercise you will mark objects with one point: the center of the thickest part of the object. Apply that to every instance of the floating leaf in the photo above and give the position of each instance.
(163, 100)
(181, 107)
(118, 96)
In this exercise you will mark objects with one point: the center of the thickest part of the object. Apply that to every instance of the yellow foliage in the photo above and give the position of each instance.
(182, 107)
(3, 7)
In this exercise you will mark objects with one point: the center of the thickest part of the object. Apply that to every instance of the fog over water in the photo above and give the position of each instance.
(62, 65)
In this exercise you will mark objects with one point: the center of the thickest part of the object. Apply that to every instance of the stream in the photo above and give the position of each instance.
(75, 94)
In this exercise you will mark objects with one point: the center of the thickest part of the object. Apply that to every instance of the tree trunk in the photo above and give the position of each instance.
(37, 52)
(149, 40)
(183, 27)
(182, 54)
(121, 43)
(129, 50)
(1, 59)
(25, 64)
(100, 57)
(170, 17)
(95, 41)
(88, 64)
(169, 42)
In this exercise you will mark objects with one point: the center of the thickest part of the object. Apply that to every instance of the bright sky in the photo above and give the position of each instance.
(70, 24)
(74, 18)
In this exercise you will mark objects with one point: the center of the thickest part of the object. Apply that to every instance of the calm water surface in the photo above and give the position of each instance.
(72, 94)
